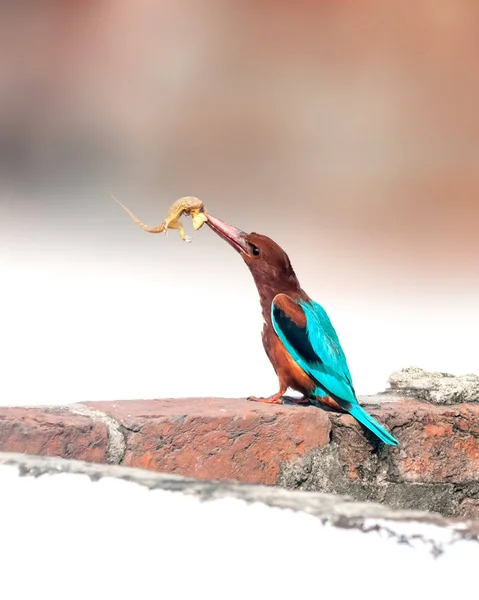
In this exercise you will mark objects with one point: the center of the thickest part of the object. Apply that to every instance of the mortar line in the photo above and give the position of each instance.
(116, 443)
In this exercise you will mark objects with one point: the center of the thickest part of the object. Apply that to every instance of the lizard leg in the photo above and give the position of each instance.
(274, 399)
(177, 225)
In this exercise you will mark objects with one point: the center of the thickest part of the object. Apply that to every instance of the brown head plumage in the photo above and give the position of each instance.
(267, 261)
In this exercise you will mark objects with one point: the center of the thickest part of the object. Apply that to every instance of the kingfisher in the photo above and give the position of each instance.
(298, 336)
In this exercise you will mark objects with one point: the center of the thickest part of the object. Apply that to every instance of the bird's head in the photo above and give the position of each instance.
(266, 260)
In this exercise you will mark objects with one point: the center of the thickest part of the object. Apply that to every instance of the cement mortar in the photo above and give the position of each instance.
(322, 471)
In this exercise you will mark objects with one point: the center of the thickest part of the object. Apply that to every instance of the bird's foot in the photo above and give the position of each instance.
(275, 399)
(271, 400)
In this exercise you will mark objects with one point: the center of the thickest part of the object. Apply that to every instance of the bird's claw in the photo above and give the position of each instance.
(272, 400)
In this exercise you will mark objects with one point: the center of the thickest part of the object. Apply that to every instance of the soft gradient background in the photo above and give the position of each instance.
(348, 131)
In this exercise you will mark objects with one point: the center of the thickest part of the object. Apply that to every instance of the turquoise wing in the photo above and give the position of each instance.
(310, 338)
(312, 341)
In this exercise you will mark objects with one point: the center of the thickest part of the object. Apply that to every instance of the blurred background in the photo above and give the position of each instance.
(346, 131)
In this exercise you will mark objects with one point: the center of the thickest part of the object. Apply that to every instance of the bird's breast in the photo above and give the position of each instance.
(287, 369)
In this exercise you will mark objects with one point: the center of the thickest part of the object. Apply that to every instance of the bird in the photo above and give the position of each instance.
(298, 336)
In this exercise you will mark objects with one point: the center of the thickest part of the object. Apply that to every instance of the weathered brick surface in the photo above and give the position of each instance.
(435, 467)
(217, 438)
(437, 443)
(52, 432)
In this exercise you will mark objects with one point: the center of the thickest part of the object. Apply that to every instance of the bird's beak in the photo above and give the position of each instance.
(235, 237)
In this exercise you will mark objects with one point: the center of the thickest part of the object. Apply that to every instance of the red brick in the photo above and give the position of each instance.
(217, 438)
(437, 443)
(214, 438)
(52, 432)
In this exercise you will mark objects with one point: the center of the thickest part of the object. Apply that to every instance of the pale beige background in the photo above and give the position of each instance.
(347, 131)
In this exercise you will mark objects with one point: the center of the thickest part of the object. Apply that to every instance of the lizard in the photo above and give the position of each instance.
(189, 205)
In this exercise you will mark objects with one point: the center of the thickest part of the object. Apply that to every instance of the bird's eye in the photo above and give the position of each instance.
(254, 250)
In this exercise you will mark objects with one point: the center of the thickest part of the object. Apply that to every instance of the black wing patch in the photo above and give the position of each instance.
(296, 336)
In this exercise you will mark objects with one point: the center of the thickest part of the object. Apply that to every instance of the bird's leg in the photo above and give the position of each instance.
(274, 399)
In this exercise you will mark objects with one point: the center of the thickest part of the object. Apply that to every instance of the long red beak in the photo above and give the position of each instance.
(235, 237)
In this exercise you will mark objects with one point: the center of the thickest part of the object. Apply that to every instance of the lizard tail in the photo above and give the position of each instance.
(158, 229)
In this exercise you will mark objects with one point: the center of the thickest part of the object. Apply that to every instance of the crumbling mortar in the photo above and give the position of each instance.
(116, 443)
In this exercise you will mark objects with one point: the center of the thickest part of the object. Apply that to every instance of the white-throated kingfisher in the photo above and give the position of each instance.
(298, 336)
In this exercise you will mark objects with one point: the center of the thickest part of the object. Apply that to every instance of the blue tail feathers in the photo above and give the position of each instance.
(362, 416)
